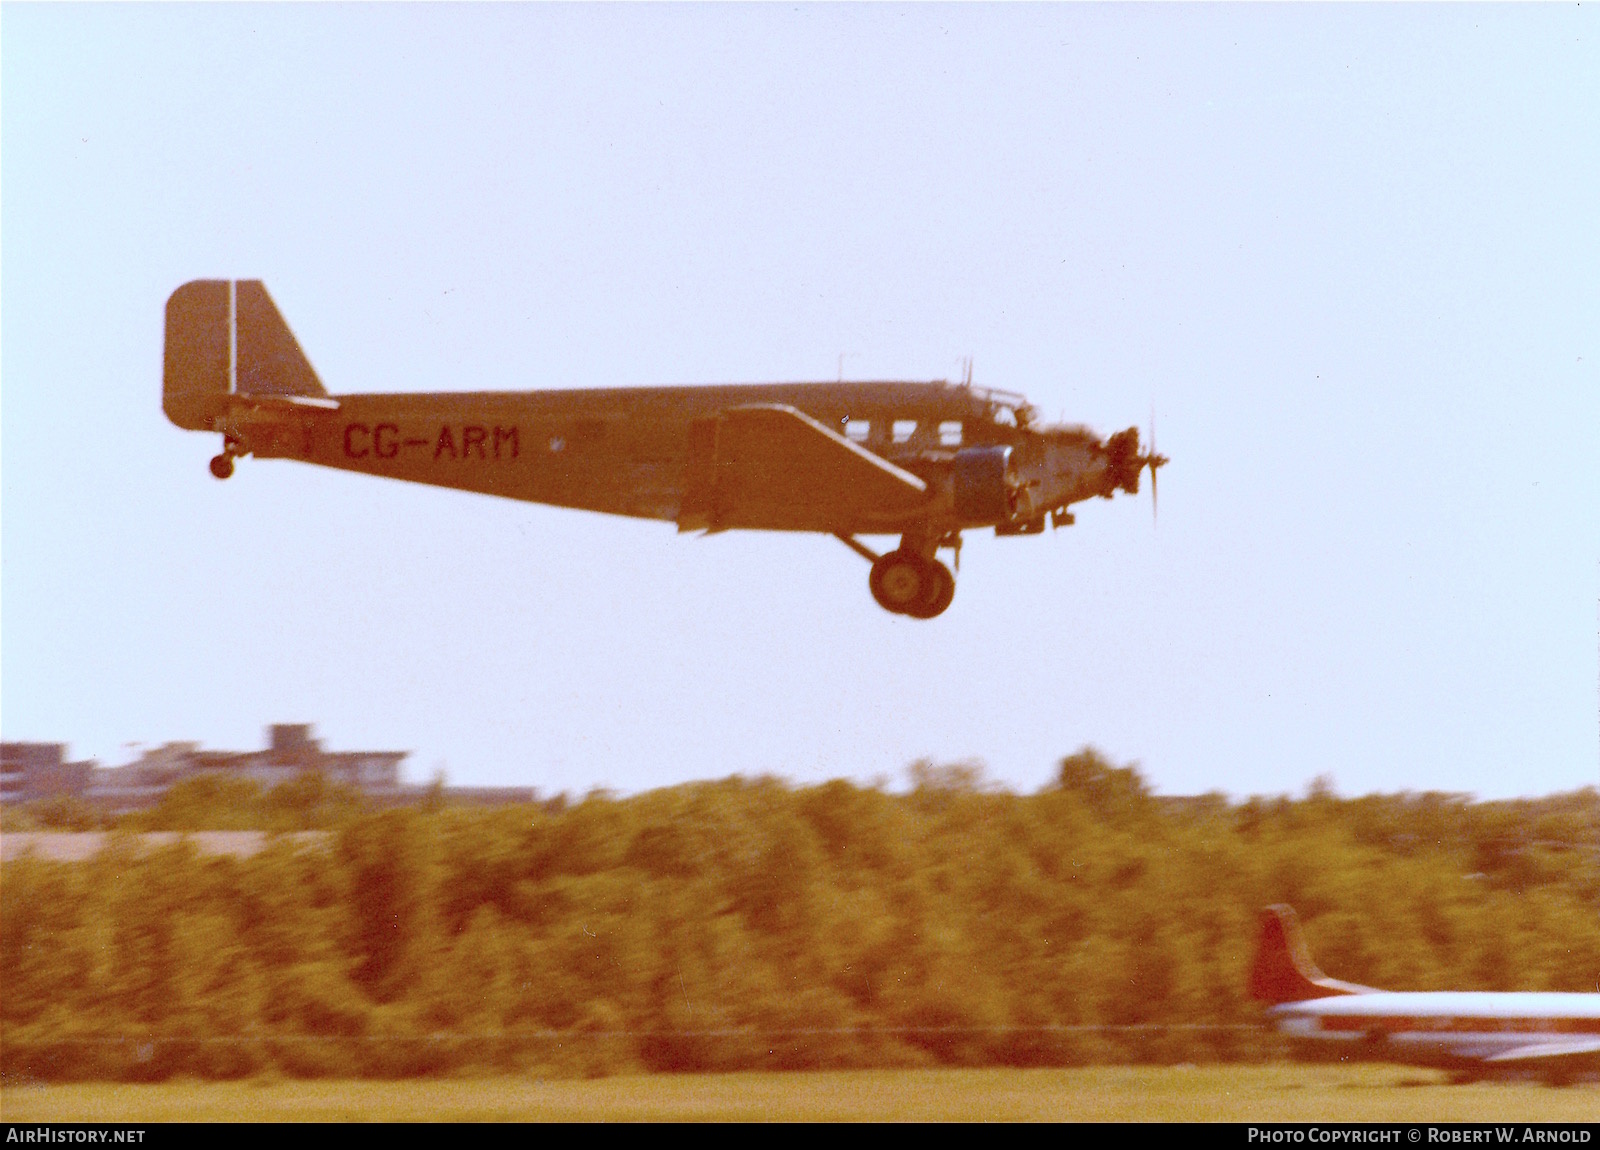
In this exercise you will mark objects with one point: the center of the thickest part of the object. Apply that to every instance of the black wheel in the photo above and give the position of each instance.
(939, 588)
(899, 581)
(222, 466)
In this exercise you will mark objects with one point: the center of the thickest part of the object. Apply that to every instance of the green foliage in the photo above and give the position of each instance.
(747, 924)
(308, 802)
(43, 952)
(219, 802)
(1117, 794)
(65, 813)
(390, 901)
(211, 802)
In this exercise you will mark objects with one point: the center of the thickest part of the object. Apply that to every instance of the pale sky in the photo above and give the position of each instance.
(1350, 256)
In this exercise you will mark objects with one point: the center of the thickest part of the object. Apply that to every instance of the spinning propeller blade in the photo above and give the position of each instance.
(1155, 462)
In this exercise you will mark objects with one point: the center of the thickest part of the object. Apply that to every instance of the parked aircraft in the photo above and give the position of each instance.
(924, 461)
(1473, 1032)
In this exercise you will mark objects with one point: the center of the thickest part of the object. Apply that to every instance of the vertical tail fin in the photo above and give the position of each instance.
(226, 338)
(1283, 969)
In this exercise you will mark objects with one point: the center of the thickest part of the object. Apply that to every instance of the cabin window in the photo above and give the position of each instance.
(904, 429)
(857, 430)
(950, 433)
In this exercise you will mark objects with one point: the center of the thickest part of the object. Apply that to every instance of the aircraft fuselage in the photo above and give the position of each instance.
(626, 451)
(1447, 1028)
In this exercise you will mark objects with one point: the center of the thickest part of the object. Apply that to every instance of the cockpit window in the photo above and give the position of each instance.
(904, 429)
(857, 430)
(950, 433)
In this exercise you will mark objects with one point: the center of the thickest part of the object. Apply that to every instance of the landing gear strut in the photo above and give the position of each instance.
(222, 465)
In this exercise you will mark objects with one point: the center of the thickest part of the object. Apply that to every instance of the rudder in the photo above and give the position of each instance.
(197, 371)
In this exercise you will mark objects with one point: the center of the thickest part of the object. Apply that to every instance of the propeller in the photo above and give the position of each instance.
(1154, 462)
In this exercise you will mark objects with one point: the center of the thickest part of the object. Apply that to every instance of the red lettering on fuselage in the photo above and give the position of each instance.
(350, 431)
(476, 442)
(384, 441)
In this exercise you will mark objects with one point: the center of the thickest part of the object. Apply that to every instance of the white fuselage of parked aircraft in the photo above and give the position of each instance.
(1450, 1027)
(1553, 1033)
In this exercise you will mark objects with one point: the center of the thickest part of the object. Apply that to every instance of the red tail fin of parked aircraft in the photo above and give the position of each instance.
(1473, 1032)
(1283, 970)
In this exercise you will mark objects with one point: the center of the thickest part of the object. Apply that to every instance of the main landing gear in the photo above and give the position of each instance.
(906, 581)
(222, 465)
(907, 584)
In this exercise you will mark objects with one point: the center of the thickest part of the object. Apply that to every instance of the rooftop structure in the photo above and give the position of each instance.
(40, 771)
(34, 771)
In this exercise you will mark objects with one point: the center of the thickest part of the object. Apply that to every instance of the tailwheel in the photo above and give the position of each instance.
(907, 584)
(222, 465)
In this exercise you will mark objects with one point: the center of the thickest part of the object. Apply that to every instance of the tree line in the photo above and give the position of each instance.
(750, 923)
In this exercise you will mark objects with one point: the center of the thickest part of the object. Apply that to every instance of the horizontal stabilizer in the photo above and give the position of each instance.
(285, 403)
(769, 466)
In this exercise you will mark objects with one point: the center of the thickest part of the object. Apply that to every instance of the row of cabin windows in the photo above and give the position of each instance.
(910, 431)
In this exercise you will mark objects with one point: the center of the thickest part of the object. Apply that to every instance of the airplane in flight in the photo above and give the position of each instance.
(924, 461)
(1475, 1033)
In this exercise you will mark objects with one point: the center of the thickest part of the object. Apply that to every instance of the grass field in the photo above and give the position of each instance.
(1276, 1093)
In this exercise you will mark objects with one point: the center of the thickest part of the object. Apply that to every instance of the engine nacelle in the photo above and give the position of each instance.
(982, 492)
(1123, 463)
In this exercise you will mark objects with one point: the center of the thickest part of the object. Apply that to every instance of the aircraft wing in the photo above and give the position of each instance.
(771, 466)
(1561, 1048)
